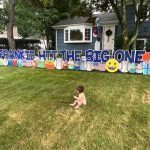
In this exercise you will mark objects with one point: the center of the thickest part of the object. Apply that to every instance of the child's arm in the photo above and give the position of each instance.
(76, 97)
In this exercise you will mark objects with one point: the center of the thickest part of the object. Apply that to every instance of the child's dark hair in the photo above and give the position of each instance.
(80, 88)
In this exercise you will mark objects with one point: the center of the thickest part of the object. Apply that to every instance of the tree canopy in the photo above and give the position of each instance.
(36, 17)
(119, 7)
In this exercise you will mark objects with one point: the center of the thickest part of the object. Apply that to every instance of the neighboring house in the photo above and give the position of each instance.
(3, 34)
(76, 33)
(43, 41)
(3, 37)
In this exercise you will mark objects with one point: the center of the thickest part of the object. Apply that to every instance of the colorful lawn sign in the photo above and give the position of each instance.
(146, 68)
(146, 63)
(65, 64)
(132, 68)
(112, 65)
(27, 63)
(34, 63)
(59, 63)
(89, 66)
(77, 65)
(102, 67)
(41, 64)
(49, 64)
(20, 63)
(102, 60)
(83, 63)
(5, 62)
(139, 68)
(123, 66)
(14, 62)
(9, 62)
(1, 62)
(71, 64)
(95, 66)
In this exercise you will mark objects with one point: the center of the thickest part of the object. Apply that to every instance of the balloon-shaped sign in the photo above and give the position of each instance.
(20, 63)
(49, 64)
(14, 62)
(65, 65)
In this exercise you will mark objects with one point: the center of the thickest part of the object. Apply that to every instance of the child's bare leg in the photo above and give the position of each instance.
(75, 102)
(79, 104)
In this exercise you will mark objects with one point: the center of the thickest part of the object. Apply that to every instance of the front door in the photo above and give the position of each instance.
(108, 37)
(97, 45)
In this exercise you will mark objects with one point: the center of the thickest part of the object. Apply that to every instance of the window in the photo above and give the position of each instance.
(66, 35)
(78, 34)
(87, 34)
(144, 12)
(141, 44)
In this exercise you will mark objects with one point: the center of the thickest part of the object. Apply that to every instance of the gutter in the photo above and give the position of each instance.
(63, 26)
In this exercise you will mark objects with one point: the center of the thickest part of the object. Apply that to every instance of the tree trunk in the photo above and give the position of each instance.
(124, 26)
(134, 44)
(48, 43)
(125, 36)
(121, 15)
(125, 45)
(11, 13)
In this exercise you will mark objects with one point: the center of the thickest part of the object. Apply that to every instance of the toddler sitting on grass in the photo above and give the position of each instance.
(81, 100)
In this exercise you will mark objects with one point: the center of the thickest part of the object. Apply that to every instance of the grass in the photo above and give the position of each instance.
(35, 112)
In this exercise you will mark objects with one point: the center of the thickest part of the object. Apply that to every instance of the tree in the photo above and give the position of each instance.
(36, 17)
(41, 16)
(10, 5)
(121, 13)
(120, 9)
(27, 19)
(10, 24)
(2, 19)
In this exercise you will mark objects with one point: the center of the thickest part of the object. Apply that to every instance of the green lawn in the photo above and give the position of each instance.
(35, 112)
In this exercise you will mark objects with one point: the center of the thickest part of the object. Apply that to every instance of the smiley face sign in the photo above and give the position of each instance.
(112, 65)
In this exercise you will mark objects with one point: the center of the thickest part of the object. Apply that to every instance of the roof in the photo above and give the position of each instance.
(37, 37)
(107, 18)
(75, 21)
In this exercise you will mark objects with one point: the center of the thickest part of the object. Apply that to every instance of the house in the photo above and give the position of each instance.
(3, 37)
(42, 41)
(77, 33)
(73, 34)
(16, 35)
